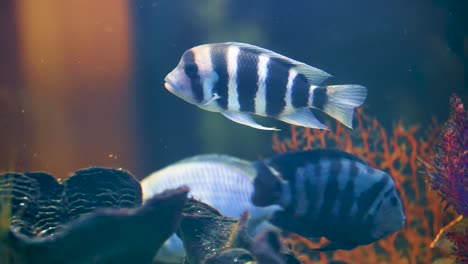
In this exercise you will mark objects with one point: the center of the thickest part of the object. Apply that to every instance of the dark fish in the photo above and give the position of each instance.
(239, 79)
(329, 193)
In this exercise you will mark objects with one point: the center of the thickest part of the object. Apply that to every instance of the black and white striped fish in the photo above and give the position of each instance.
(329, 193)
(239, 79)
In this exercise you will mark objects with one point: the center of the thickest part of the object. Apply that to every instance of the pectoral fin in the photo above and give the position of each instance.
(302, 117)
(246, 119)
(212, 100)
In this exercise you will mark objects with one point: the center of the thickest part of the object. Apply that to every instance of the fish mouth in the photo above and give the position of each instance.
(170, 86)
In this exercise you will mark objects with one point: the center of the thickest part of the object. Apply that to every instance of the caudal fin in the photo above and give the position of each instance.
(339, 101)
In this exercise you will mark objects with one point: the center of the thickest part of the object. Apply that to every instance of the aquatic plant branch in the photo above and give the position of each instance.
(449, 173)
(460, 247)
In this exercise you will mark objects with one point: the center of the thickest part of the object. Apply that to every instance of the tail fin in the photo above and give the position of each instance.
(339, 101)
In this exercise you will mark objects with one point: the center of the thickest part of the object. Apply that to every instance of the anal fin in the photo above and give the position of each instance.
(336, 245)
(302, 117)
(246, 119)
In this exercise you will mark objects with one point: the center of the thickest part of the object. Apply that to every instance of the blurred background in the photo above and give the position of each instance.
(81, 81)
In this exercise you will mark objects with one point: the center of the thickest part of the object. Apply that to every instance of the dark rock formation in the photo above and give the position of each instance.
(211, 238)
(95, 216)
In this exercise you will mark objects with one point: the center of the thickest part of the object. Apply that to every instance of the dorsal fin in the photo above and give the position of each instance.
(287, 163)
(212, 157)
(316, 154)
(245, 166)
(313, 75)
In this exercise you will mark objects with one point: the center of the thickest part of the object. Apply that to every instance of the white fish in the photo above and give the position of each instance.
(224, 182)
(238, 80)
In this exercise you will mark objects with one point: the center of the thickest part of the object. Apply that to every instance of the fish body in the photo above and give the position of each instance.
(329, 193)
(223, 182)
(238, 80)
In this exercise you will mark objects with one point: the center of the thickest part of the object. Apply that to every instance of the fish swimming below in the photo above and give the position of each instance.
(221, 181)
(320, 193)
(238, 80)
(331, 194)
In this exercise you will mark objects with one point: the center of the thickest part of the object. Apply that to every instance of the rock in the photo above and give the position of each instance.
(93, 217)
(50, 210)
(234, 255)
(211, 238)
(107, 235)
(203, 230)
(268, 249)
(93, 188)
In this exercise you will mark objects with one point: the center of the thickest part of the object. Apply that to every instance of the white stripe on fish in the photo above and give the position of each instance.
(291, 76)
(205, 69)
(302, 203)
(233, 101)
(262, 72)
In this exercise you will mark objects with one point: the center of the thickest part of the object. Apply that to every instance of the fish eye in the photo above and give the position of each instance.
(191, 70)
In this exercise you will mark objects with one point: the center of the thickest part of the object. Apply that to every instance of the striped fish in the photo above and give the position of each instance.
(221, 181)
(329, 193)
(239, 79)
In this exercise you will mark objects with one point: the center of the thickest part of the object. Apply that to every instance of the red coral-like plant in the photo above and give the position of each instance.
(460, 244)
(399, 153)
(449, 172)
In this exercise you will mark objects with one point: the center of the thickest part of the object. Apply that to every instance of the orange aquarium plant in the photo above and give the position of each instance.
(402, 153)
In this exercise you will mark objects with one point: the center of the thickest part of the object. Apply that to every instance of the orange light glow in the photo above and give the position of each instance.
(75, 58)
